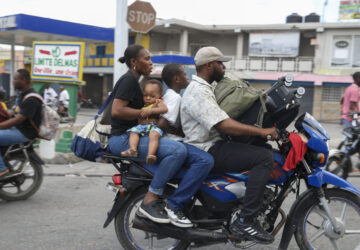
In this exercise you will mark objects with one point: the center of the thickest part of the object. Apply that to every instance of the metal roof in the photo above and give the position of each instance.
(24, 29)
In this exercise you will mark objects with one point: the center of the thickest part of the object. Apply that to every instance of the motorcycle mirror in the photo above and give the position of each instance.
(300, 92)
(288, 80)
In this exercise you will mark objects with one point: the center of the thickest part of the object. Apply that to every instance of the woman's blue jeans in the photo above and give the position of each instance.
(170, 157)
(9, 137)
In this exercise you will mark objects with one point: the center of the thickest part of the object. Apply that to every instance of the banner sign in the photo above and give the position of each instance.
(349, 10)
(58, 61)
(274, 44)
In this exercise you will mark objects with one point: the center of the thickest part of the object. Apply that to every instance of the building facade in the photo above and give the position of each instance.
(321, 56)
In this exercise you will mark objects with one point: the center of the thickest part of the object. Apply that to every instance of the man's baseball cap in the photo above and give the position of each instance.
(209, 54)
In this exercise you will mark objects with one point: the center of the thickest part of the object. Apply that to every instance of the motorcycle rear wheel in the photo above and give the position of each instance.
(338, 166)
(131, 238)
(314, 230)
(24, 185)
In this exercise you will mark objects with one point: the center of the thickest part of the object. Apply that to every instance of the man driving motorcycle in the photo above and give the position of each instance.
(20, 128)
(203, 120)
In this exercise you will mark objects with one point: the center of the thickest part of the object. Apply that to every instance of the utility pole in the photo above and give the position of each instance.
(120, 38)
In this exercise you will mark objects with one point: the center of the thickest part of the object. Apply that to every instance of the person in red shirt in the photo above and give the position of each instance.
(350, 101)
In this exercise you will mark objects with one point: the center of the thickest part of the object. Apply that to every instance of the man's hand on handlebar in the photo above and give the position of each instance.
(270, 133)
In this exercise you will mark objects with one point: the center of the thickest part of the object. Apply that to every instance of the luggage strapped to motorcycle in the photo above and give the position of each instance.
(235, 97)
(93, 138)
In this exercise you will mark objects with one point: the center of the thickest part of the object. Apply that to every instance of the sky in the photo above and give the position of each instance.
(103, 12)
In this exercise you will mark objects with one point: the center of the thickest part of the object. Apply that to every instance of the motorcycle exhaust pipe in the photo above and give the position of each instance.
(188, 234)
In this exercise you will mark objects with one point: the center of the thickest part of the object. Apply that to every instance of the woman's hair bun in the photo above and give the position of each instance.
(122, 59)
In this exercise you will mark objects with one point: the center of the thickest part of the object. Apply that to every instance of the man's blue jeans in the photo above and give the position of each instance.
(170, 157)
(8, 137)
(345, 123)
(199, 164)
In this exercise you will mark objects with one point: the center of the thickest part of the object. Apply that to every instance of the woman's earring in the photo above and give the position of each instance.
(134, 68)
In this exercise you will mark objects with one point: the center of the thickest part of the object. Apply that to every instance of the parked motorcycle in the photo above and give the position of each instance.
(86, 103)
(25, 164)
(321, 217)
(340, 162)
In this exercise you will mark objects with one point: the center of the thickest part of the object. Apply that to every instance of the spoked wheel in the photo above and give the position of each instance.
(315, 231)
(339, 165)
(23, 185)
(131, 238)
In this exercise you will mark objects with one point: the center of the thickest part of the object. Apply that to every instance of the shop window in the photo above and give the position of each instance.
(331, 94)
(100, 51)
(346, 51)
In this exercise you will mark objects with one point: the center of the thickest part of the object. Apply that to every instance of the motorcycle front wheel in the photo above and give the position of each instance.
(131, 238)
(339, 166)
(314, 230)
(25, 184)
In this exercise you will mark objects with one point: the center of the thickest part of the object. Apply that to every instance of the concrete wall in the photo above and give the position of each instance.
(226, 43)
(325, 111)
(164, 42)
(305, 48)
(158, 42)
(324, 49)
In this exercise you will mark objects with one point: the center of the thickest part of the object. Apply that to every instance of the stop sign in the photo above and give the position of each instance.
(141, 16)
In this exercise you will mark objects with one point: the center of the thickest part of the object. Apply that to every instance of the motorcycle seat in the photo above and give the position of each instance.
(135, 170)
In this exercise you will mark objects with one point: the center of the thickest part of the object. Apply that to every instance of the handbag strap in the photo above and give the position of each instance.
(107, 101)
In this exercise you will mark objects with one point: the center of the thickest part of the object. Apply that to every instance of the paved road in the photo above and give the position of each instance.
(70, 208)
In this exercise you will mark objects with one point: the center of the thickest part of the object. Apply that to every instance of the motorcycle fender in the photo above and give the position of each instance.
(292, 218)
(34, 157)
(119, 201)
(322, 176)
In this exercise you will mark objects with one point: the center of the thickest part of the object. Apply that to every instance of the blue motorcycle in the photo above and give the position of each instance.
(324, 215)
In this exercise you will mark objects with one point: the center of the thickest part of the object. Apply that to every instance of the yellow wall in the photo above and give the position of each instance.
(109, 51)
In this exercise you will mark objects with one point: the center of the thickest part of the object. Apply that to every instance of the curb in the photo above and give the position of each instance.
(72, 175)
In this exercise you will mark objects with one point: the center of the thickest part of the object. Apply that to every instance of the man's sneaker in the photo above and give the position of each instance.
(178, 218)
(251, 231)
(154, 211)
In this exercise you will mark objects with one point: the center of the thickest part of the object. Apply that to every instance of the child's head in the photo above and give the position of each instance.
(152, 91)
(174, 76)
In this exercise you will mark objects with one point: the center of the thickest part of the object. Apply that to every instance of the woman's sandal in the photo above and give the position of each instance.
(130, 153)
(151, 159)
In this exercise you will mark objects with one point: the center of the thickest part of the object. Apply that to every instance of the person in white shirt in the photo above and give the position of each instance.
(198, 162)
(64, 97)
(203, 120)
(50, 96)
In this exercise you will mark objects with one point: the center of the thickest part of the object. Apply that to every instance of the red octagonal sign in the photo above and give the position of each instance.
(141, 16)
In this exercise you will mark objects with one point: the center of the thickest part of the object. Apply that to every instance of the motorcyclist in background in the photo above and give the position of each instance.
(21, 128)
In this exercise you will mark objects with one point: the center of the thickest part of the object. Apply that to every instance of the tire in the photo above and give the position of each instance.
(339, 166)
(20, 188)
(125, 233)
(311, 222)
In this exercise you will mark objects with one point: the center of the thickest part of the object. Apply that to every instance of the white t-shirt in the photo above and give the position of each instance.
(50, 96)
(64, 98)
(172, 100)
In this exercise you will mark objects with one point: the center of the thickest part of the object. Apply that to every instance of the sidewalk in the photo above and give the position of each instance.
(82, 169)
